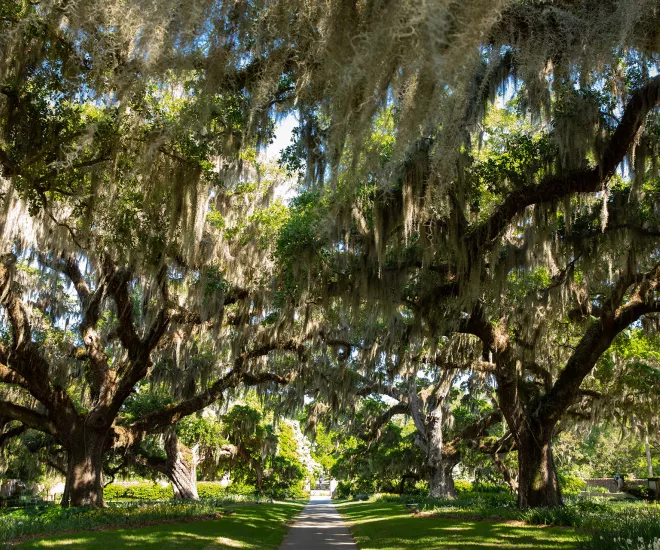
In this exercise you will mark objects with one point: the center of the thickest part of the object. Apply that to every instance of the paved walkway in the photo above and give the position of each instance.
(319, 527)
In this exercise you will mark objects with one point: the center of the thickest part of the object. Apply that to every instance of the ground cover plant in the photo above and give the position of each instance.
(631, 528)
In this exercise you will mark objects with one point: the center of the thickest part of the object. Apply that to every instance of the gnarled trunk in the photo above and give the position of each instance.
(441, 482)
(538, 484)
(181, 468)
(84, 473)
(259, 471)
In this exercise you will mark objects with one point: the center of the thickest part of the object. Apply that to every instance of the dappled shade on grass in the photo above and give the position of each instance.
(252, 527)
(389, 526)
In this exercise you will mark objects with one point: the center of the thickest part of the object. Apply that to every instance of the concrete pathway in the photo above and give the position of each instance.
(319, 527)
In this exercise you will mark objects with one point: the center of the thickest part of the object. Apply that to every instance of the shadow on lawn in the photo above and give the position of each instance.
(253, 527)
(388, 526)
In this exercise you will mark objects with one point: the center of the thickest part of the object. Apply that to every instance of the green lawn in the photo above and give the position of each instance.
(389, 526)
(256, 527)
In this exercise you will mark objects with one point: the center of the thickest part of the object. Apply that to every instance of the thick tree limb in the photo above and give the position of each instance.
(118, 287)
(90, 301)
(11, 433)
(473, 432)
(8, 376)
(377, 423)
(551, 188)
(171, 414)
(598, 337)
(23, 357)
(28, 417)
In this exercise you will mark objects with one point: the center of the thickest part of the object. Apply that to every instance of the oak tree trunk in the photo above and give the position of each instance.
(181, 468)
(441, 482)
(260, 478)
(649, 459)
(538, 484)
(84, 474)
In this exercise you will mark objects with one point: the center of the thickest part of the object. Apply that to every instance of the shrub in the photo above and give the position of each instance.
(564, 516)
(462, 485)
(592, 505)
(571, 485)
(344, 489)
(138, 491)
(574, 514)
(638, 491)
(241, 488)
(288, 490)
(485, 487)
(421, 488)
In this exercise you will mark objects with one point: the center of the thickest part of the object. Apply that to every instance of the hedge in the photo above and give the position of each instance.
(138, 491)
(154, 491)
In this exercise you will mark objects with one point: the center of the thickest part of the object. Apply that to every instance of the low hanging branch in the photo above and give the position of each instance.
(23, 366)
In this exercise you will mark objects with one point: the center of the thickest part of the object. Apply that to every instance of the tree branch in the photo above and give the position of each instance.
(373, 427)
(641, 102)
(28, 417)
(11, 433)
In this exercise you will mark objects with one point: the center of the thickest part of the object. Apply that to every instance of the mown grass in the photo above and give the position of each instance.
(252, 527)
(390, 526)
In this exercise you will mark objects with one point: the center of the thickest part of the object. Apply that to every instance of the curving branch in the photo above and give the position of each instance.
(598, 337)
(171, 414)
(28, 417)
(23, 356)
(642, 101)
(11, 433)
(374, 426)
(11, 377)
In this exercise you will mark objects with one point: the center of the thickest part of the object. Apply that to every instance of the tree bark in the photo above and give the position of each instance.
(441, 481)
(538, 484)
(84, 474)
(260, 478)
(181, 467)
(649, 460)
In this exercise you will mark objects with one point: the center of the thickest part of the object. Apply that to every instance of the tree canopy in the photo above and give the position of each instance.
(476, 202)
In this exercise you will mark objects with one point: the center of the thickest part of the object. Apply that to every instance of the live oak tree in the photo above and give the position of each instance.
(511, 211)
(87, 321)
(124, 210)
(421, 387)
(86, 433)
(194, 443)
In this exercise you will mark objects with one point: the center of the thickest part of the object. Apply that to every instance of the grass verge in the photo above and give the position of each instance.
(252, 526)
(390, 526)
